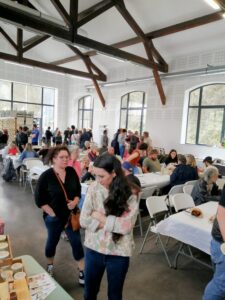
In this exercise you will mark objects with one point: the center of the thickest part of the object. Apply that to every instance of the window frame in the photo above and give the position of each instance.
(12, 101)
(200, 107)
(82, 110)
(142, 108)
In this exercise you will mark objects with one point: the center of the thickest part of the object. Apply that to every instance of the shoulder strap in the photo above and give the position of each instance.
(60, 181)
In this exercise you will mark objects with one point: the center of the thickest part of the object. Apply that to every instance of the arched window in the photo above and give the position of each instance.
(206, 115)
(85, 112)
(133, 111)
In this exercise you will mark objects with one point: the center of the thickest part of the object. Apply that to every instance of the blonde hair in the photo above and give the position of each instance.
(191, 161)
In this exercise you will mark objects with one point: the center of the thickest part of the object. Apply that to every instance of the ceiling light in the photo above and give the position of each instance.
(53, 72)
(223, 15)
(213, 4)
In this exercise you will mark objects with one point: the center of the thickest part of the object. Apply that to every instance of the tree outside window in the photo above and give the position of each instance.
(206, 115)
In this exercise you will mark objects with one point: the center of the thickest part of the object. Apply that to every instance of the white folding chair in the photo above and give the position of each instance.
(174, 190)
(182, 201)
(187, 189)
(30, 176)
(191, 182)
(156, 205)
(144, 194)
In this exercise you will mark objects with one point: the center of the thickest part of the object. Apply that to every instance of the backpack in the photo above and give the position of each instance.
(9, 173)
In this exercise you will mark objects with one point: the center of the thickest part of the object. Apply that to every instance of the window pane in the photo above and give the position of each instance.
(88, 102)
(211, 126)
(124, 101)
(4, 105)
(194, 97)
(34, 94)
(144, 120)
(123, 117)
(48, 117)
(36, 109)
(213, 94)
(192, 125)
(48, 96)
(136, 99)
(81, 103)
(87, 121)
(20, 92)
(80, 120)
(134, 120)
(5, 90)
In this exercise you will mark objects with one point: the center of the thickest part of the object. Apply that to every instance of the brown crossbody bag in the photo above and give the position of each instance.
(74, 218)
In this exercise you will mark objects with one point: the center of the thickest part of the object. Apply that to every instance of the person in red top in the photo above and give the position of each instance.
(73, 161)
(13, 149)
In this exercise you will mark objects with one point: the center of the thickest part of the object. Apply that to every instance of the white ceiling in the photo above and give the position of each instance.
(110, 27)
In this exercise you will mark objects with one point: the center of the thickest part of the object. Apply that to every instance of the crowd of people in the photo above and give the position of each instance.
(110, 208)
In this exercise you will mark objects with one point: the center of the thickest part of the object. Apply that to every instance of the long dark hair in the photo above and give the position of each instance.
(119, 190)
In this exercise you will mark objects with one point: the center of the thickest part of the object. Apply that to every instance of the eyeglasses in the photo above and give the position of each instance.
(63, 157)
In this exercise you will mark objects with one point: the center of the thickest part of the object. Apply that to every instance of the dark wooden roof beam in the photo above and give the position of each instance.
(46, 66)
(147, 44)
(62, 11)
(8, 38)
(36, 42)
(221, 3)
(154, 34)
(93, 11)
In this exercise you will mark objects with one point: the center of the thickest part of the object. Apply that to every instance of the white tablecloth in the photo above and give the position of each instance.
(189, 229)
(151, 179)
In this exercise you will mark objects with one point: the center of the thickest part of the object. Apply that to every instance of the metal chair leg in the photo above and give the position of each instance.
(146, 235)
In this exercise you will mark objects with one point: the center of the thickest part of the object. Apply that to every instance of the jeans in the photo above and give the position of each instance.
(54, 229)
(95, 265)
(122, 150)
(215, 290)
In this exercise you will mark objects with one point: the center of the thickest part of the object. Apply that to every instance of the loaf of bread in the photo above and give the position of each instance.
(196, 212)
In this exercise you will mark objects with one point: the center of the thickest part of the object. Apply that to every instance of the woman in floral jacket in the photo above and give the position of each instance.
(109, 214)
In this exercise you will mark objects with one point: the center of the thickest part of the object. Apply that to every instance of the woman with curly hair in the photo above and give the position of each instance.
(109, 214)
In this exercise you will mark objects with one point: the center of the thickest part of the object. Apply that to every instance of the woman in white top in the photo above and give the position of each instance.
(108, 215)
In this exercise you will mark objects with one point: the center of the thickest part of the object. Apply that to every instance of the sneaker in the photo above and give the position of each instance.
(81, 278)
(50, 270)
(64, 236)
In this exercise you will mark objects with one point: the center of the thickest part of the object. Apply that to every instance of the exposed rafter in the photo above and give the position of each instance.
(60, 33)
(89, 64)
(8, 38)
(221, 3)
(149, 47)
(35, 43)
(46, 66)
(154, 34)
(62, 11)
(93, 11)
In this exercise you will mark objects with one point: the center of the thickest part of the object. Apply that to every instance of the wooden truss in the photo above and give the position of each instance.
(24, 15)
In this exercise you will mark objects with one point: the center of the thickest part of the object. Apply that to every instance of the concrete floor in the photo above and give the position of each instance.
(149, 276)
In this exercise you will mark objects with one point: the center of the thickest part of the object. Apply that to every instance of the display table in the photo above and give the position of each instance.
(190, 230)
(153, 179)
(32, 268)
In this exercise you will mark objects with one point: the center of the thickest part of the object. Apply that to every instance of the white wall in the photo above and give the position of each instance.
(163, 122)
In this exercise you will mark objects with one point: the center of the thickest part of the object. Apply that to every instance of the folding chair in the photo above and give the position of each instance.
(187, 189)
(30, 176)
(156, 205)
(174, 190)
(144, 194)
(191, 182)
(182, 201)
